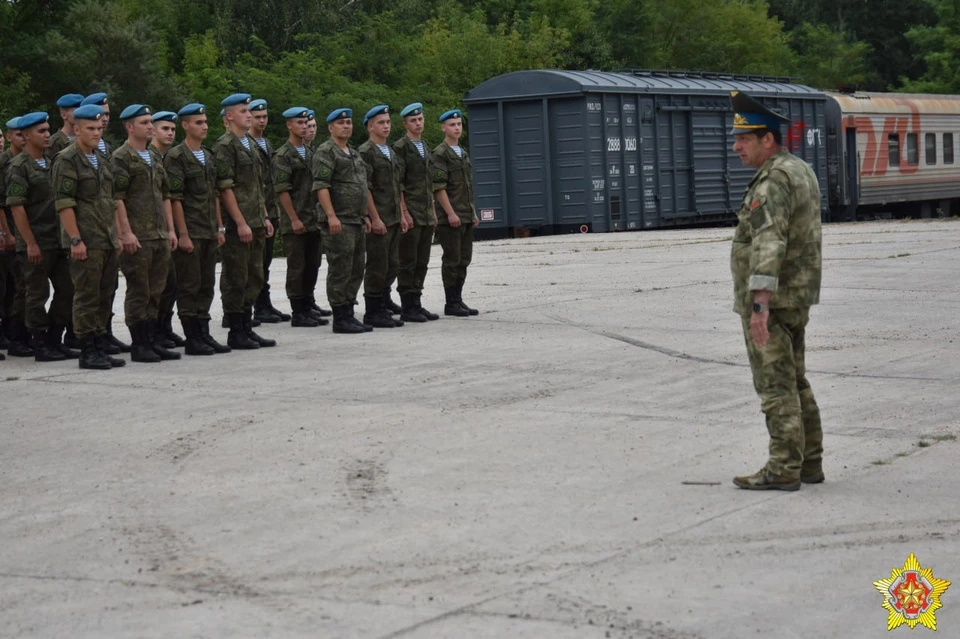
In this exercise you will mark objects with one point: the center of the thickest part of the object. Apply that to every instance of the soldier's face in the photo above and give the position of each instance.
(298, 127)
(240, 116)
(106, 115)
(452, 128)
(311, 131)
(379, 126)
(259, 121)
(3, 143)
(753, 151)
(89, 132)
(15, 138)
(38, 136)
(414, 124)
(341, 129)
(67, 115)
(140, 128)
(195, 126)
(165, 132)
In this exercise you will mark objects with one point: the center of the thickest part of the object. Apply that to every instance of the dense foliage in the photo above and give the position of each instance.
(329, 53)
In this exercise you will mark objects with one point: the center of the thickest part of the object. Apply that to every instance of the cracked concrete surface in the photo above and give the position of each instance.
(516, 474)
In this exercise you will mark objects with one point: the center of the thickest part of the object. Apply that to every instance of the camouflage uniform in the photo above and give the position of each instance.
(777, 247)
(272, 205)
(168, 297)
(11, 273)
(383, 251)
(143, 188)
(194, 185)
(346, 178)
(28, 185)
(416, 183)
(452, 173)
(58, 142)
(89, 192)
(293, 174)
(238, 169)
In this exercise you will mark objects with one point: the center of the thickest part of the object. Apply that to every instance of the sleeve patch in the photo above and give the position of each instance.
(67, 185)
(223, 169)
(324, 171)
(440, 175)
(282, 176)
(17, 189)
(176, 184)
(758, 216)
(122, 182)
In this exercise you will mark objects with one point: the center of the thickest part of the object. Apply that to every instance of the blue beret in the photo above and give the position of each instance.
(236, 98)
(296, 112)
(258, 105)
(70, 101)
(135, 111)
(194, 108)
(750, 116)
(412, 109)
(88, 112)
(13, 124)
(223, 111)
(311, 114)
(165, 116)
(340, 114)
(452, 113)
(31, 119)
(95, 98)
(374, 112)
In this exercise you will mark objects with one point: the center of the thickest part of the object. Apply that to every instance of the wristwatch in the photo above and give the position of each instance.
(760, 308)
(75, 241)
(221, 229)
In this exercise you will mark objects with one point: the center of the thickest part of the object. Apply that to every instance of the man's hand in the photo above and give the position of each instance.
(454, 220)
(406, 222)
(221, 238)
(335, 227)
(172, 239)
(128, 241)
(79, 252)
(298, 227)
(34, 256)
(758, 328)
(246, 235)
(186, 244)
(10, 242)
(379, 228)
(476, 221)
(269, 226)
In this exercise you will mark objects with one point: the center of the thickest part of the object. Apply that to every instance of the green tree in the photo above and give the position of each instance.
(939, 47)
(828, 59)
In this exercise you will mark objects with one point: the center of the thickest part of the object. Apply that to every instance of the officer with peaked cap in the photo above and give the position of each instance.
(88, 222)
(417, 207)
(457, 218)
(240, 181)
(776, 267)
(145, 224)
(59, 140)
(14, 334)
(30, 197)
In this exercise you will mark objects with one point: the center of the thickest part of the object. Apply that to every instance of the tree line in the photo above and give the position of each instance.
(325, 54)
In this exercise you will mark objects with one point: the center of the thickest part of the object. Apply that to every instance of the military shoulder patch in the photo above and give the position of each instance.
(758, 215)
(440, 175)
(67, 185)
(122, 182)
(324, 171)
(17, 189)
(176, 183)
(223, 169)
(282, 176)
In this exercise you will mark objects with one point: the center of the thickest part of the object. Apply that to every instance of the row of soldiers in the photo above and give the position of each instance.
(77, 211)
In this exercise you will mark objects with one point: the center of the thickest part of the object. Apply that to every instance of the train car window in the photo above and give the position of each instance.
(930, 144)
(913, 153)
(948, 148)
(893, 142)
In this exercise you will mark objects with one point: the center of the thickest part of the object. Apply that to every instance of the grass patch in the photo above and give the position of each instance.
(924, 443)
(949, 437)
(902, 454)
(12, 378)
(880, 462)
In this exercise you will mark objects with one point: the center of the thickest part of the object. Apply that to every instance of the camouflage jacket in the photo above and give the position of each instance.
(346, 178)
(143, 188)
(452, 173)
(58, 142)
(28, 185)
(266, 170)
(239, 169)
(89, 192)
(194, 185)
(292, 174)
(777, 244)
(416, 180)
(383, 180)
(5, 158)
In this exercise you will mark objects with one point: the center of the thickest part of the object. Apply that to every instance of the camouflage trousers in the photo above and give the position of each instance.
(13, 299)
(786, 399)
(37, 278)
(169, 295)
(383, 261)
(196, 279)
(146, 275)
(241, 277)
(94, 284)
(268, 247)
(345, 258)
(457, 245)
(303, 264)
(415, 247)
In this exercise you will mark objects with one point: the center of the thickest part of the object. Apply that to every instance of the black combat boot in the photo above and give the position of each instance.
(195, 343)
(42, 351)
(301, 317)
(410, 312)
(263, 342)
(91, 357)
(430, 316)
(156, 340)
(113, 342)
(218, 348)
(141, 350)
(353, 318)
(4, 340)
(237, 338)
(167, 331)
(310, 307)
(19, 340)
(263, 310)
(276, 312)
(374, 314)
(342, 322)
(323, 312)
(389, 304)
(472, 311)
(53, 336)
(70, 339)
(100, 342)
(452, 306)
